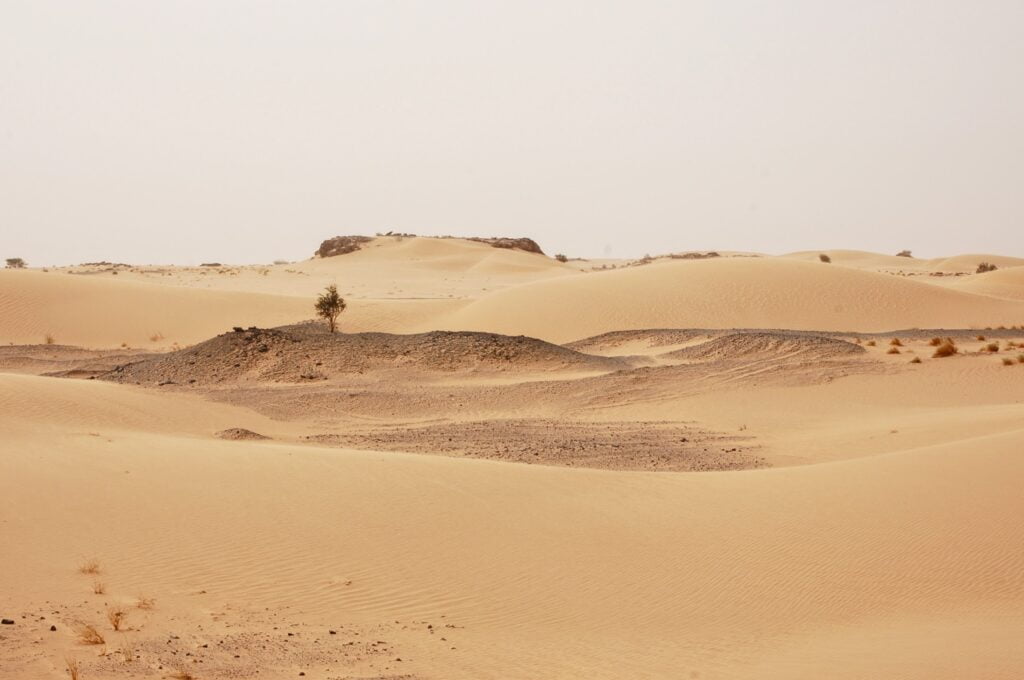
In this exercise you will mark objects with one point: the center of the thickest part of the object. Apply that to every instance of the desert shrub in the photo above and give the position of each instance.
(893, 350)
(825, 258)
(74, 672)
(116, 617)
(49, 339)
(985, 267)
(1007, 361)
(870, 343)
(992, 347)
(915, 360)
(904, 253)
(935, 342)
(89, 566)
(87, 633)
(15, 263)
(896, 342)
(946, 349)
(981, 338)
(329, 305)
(561, 258)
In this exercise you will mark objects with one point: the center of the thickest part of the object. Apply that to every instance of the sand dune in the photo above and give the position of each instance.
(727, 293)
(1003, 283)
(755, 574)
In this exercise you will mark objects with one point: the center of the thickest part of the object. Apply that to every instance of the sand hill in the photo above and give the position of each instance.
(728, 293)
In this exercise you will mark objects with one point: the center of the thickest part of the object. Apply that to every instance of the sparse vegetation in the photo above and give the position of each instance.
(1007, 361)
(561, 258)
(825, 258)
(49, 339)
(935, 342)
(329, 305)
(98, 587)
(904, 253)
(893, 350)
(981, 338)
(985, 267)
(896, 342)
(74, 672)
(89, 566)
(915, 360)
(992, 347)
(870, 343)
(127, 650)
(15, 263)
(946, 349)
(116, 617)
(87, 633)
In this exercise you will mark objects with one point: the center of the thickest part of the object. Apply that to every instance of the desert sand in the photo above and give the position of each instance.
(505, 466)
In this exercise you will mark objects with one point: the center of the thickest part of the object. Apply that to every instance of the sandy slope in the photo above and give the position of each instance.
(1003, 283)
(726, 293)
(860, 259)
(540, 572)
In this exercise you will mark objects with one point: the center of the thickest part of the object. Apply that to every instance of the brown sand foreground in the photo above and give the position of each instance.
(710, 468)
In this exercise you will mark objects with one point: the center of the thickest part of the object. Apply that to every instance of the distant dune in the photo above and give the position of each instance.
(727, 293)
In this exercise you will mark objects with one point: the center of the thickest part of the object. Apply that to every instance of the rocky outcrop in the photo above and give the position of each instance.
(525, 244)
(341, 245)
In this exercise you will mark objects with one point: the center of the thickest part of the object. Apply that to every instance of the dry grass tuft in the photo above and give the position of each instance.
(49, 340)
(89, 566)
(870, 343)
(127, 651)
(946, 349)
(87, 633)
(98, 587)
(896, 342)
(156, 337)
(143, 602)
(935, 342)
(73, 670)
(981, 338)
(915, 360)
(992, 347)
(1007, 361)
(893, 350)
(116, 616)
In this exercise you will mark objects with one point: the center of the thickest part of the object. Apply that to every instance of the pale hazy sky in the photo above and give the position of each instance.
(247, 131)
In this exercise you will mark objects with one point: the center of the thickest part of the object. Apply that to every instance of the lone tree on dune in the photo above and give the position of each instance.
(15, 263)
(329, 305)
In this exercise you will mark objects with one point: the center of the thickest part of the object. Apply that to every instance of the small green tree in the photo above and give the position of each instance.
(329, 305)
(15, 263)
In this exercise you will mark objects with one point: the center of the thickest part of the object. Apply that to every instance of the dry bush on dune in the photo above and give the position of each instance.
(896, 342)
(946, 349)
(89, 566)
(116, 617)
(127, 651)
(98, 587)
(15, 263)
(985, 267)
(992, 347)
(73, 670)
(904, 253)
(561, 258)
(48, 339)
(87, 633)
(825, 258)
(893, 350)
